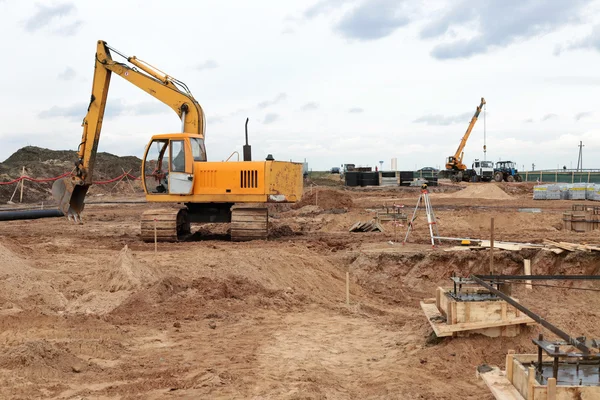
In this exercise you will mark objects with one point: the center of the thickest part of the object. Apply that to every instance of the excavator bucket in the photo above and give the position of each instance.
(70, 197)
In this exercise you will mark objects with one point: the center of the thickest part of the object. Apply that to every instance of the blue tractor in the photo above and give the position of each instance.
(506, 171)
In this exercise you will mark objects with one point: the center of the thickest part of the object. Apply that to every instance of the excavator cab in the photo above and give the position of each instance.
(169, 163)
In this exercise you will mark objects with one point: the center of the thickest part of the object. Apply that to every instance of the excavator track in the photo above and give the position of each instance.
(249, 224)
(171, 225)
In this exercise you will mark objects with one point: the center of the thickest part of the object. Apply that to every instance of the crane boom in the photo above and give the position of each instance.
(455, 162)
(71, 192)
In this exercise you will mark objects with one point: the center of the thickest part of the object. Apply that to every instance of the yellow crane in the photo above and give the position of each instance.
(455, 169)
(175, 168)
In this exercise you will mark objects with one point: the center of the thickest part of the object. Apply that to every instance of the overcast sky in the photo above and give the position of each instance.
(332, 81)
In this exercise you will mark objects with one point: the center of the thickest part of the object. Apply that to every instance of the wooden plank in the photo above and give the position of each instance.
(499, 385)
(551, 394)
(353, 227)
(467, 312)
(510, 357)
(431, 312)
(530, 383)
(452, 317)
(527, 268)
(504, 311)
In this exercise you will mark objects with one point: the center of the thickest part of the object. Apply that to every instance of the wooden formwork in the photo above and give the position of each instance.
(519, 382)
(582, 218)
(449, 317)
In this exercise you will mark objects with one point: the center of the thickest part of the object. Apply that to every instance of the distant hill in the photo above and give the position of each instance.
(46, 163)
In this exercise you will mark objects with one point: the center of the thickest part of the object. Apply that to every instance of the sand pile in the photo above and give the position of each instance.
(126, 273)
(113, 285)
(24, 287)
(488, 191)
(41, 358)
(326, 199)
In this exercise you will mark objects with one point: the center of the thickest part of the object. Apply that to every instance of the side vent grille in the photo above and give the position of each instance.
(249, 179)
(207, 178)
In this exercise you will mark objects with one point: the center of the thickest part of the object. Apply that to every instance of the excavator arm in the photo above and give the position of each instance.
(455, 162)
(70, 192)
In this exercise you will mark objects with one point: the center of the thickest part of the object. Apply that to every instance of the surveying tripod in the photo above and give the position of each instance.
(424, 197)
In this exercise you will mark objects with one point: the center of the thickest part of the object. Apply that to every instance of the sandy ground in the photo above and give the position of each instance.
(90, 312)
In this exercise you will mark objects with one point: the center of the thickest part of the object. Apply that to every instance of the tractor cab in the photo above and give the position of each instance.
(506, 171)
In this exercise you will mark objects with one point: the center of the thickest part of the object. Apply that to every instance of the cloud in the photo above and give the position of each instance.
(438, 119)
(528, 120)
(208, 64)
(582, 115)
(46, 15)
(322, 7)
(113, 109)
(592, 41)
(270, 118)
(215, 119)
(550, 116)
(355, 110)
(497, 24)
(311, 106)
(575, 80)
(268, 103)
(70, 29)
(372, 20)
(67, 75)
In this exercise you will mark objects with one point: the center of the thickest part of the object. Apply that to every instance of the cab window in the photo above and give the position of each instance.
(177, 156)
(198, 151)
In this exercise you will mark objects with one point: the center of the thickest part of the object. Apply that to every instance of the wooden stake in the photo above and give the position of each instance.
(527, 267)
(347, 288)
(22, 184)
(316, 197)
(155, 239)
(530, 382)
(509, 365)
(551, 389)
(492, 246)
(128, 180)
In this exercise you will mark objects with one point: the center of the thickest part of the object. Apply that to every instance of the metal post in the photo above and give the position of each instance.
(540, 337)
(555, 365)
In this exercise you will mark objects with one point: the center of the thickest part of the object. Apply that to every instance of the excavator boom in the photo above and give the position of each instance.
(70, 192)
(455, 162)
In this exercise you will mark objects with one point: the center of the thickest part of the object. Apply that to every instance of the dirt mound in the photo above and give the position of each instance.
(125, 273)
(479, 191)
(326, 199)
(45, 163)
(41, 358)
(25, 287)
(278, 231)
(176, 298)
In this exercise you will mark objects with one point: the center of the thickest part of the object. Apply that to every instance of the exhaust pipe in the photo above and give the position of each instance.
(247, 147)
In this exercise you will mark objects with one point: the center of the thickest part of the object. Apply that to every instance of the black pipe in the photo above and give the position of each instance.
(247, 147)
(29, 214)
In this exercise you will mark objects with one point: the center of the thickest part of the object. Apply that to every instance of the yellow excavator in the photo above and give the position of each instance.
(455, 169)
(175, 168)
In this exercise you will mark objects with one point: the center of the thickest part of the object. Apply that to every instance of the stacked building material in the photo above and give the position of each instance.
(539, 192)
(577, 191)
(553, 192)
(369, 226)
(590, 191)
